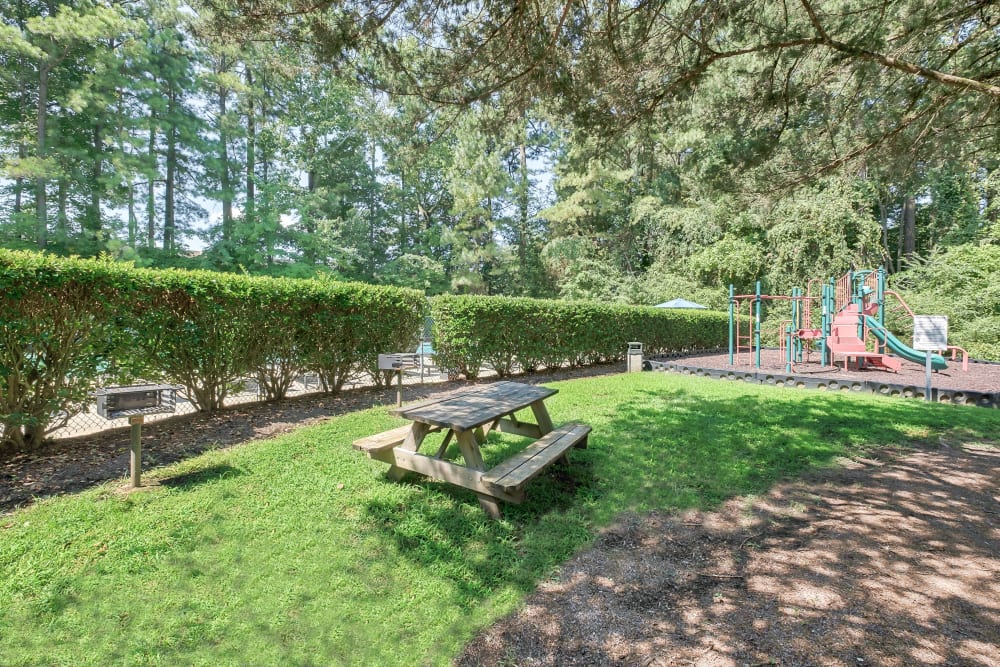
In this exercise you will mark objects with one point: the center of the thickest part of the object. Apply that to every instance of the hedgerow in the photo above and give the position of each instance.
(68, 326)
(531, 333)
(58, 332)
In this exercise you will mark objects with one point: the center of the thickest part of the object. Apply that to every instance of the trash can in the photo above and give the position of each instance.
(634, 358)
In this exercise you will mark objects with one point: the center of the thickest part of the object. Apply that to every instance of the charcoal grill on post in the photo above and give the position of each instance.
(397, 363)
(135, 402)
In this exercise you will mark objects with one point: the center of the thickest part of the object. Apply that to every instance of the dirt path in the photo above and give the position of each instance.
(881, 562)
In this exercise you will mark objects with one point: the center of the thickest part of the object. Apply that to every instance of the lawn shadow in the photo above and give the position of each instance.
(201, 476)
(662, 449)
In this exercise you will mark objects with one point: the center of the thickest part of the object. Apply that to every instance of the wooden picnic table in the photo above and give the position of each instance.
(468, 416)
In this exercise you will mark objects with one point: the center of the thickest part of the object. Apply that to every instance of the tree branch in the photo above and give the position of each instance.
(895, 63)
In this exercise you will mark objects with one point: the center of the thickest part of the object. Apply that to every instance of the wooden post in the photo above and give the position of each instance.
(135, 461)
(418, 431)
(399, 388)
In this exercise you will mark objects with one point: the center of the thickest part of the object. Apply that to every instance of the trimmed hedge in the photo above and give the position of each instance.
(57, 336)
(68, 326)
(531, 333)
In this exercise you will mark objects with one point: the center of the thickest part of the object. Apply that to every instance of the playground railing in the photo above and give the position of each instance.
(954, 349)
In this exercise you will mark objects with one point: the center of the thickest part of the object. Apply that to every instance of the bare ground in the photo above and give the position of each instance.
(879, 562)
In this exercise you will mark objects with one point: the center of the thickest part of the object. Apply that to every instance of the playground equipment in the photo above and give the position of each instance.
(851, 307)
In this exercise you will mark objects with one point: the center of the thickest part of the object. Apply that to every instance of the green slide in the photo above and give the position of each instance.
(901, 348)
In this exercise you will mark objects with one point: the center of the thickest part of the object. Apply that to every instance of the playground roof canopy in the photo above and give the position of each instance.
(680, 303)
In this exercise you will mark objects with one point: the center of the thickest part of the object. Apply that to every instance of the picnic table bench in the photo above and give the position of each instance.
(468, 416)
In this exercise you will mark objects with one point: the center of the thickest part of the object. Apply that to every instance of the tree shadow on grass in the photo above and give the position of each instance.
(201, 476)
(665, 449)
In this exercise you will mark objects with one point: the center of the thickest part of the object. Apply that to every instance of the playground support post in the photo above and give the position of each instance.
(732, 319)
(756, 339)
(880, 299)
(927, 389)
(829, 306)
(798, 322)
(788, 349)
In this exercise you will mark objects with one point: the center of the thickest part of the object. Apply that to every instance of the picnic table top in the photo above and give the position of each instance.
(470, 408)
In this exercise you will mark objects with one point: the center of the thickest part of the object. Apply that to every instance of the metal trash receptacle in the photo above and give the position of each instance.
(634, 358)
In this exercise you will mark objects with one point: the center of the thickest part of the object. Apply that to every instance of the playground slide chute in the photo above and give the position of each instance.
(901, 348)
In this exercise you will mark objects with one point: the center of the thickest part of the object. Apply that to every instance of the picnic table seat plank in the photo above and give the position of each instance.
(522, 467)
(381, 441)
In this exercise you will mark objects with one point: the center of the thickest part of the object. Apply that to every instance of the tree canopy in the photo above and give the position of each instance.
(627, 151)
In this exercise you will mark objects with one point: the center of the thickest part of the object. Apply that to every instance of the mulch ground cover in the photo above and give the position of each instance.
(980, 377)
(892, 561)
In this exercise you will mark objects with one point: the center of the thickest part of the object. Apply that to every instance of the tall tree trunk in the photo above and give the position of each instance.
(991, 195)
(62, 219)
(249, 213)
(22, 147)
(402, 210)
(169, 221)
(909, 229)
(41, 205)
(92, 219)
(308, 219)
(224, 178)
(372, 219)
(22, 152)
(265, 174)
(883, 221)
(151, 186)
(523, 202)
(132, 222)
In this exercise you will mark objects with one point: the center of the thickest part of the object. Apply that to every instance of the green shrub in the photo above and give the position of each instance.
(68, 326)
(58, 333)
(960, 282)
(347, 325)
(530, 333)
(212, 329)
(194, 329)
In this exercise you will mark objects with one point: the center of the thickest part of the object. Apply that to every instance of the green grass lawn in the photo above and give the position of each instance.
(299, 551)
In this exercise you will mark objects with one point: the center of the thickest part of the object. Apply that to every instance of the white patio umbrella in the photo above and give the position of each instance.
(680, 303)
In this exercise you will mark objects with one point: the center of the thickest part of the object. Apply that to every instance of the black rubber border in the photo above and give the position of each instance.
(955, 396)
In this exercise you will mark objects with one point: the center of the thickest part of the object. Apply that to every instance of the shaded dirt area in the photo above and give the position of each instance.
(74, 464)
(981, 377)
(878, 562)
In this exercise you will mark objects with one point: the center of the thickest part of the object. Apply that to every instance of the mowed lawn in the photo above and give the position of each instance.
(298, 550)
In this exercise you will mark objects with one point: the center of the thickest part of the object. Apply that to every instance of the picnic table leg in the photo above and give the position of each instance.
(485, 430)
(469, 446)
(444, 444)
(418, 431)
(542, 416)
